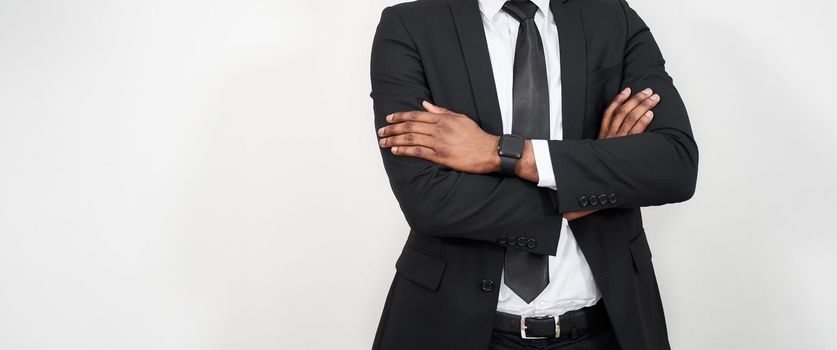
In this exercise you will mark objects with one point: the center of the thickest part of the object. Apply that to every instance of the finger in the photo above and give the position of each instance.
(608, 113)
(415, 116)
(623, 110)
(642, 123)
(415, 152)
(407, 127)
(640, 110)
(434, 108)
(407, 140)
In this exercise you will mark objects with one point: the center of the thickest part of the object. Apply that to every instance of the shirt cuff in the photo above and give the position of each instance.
(543, 162)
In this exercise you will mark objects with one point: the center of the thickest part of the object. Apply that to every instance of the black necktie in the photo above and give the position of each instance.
(527, 274)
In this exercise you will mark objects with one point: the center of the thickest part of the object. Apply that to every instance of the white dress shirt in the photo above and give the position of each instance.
(571, 285)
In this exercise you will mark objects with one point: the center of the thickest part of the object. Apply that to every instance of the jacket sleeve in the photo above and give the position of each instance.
(436, 200)
(656, 167)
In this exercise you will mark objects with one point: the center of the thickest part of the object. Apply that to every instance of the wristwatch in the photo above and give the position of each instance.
(510, 150)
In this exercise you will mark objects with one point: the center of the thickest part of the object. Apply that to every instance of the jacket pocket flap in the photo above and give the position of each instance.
(420, 267)
(605, 73)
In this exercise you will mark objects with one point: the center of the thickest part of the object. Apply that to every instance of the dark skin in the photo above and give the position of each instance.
(456, 141)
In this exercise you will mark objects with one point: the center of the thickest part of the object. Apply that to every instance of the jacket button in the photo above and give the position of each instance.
(502, 239)
(582, 201)
(521, 241)
(487, 285)
(531, 243)
(512, 240)
(612, 198)
(594, 200)
(603, 198)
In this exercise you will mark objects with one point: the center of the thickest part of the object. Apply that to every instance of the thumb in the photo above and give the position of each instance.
(434, 108)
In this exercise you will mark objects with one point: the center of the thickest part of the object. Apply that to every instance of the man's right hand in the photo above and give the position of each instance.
(624, 116)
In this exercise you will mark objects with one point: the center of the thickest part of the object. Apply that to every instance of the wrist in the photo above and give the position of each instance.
(525, 167)
(494, 161)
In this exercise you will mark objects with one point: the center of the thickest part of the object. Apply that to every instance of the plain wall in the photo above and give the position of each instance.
(205, 175)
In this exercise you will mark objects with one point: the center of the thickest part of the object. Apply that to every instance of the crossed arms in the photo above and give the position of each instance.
(441, 164)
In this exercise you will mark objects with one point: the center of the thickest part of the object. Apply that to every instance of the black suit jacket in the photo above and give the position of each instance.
(444, 293)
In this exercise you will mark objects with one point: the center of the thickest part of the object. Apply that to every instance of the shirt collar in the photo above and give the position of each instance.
(490, 8)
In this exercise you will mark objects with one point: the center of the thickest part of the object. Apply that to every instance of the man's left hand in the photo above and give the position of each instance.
(443, 137)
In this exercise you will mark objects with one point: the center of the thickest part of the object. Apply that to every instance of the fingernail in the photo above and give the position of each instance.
(381, 131)
(389, 118)
(647, 91)
(625, 91)
(649, 114)
(382, 142)
(655, 97)
(394, 149)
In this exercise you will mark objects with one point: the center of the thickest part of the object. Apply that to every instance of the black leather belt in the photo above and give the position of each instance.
(572, 324)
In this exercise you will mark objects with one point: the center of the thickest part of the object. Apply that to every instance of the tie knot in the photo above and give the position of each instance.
(521, 10)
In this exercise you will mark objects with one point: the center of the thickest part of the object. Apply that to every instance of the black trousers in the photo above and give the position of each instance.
(601, 339)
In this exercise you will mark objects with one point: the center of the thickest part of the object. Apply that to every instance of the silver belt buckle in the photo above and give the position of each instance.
(523, 327)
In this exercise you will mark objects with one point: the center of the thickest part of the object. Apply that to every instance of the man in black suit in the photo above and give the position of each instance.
(486, 229)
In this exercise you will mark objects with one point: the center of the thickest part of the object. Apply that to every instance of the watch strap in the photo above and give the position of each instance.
(507, 165)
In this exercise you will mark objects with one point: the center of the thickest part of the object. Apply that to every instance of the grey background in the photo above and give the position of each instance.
(204, 175)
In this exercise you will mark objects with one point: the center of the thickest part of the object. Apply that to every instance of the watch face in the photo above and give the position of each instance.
(511, 146)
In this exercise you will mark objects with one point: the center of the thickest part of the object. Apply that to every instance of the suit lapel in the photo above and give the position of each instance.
(466, 15)
(573, 66)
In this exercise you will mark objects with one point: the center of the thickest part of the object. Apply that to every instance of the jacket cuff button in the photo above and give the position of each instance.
(531, 243)
(487, 285)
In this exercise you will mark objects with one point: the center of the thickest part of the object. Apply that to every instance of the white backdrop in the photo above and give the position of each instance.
(204, 175)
